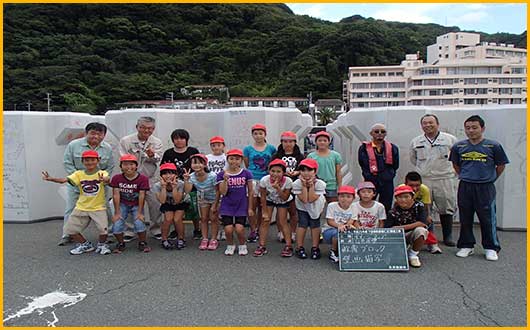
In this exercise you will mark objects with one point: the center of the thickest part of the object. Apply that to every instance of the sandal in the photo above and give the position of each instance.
(287, 251)
(142, 246)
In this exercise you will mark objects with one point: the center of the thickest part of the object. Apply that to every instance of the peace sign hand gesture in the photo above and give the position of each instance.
(103, 178)
(187, 174)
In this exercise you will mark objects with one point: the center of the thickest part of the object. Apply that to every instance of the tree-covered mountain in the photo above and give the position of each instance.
(91, 56)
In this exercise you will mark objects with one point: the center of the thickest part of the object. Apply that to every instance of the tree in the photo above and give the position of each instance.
(326, 115)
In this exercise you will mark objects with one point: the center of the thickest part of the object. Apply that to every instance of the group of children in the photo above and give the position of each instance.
(227, 193)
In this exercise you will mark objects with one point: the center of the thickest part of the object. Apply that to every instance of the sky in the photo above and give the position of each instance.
(489, 18)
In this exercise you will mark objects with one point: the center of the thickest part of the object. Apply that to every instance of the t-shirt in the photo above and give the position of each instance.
(422, 195)
(91, 190)
(157, 188)
(180, 159)
(258, 161)
(340, 215)
(478, 161)
(292, 162)
(129, 189)
(217, 164)
(400, 217)
(235, 202)
(369, 217)
(272, 193)
(327, 167)
(206, 188)
(314, 209)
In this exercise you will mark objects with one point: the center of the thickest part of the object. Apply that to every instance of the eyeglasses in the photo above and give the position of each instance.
(379, 131)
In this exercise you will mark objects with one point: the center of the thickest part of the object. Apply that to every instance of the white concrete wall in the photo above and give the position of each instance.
(35, 141)
(506, 124)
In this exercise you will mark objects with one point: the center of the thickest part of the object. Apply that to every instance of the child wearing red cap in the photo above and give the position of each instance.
(91, 205)
(309, 198)
(329, 165)
(257, 157)
(290, 153)
(235, 185)
(411, 216)
(128, 195)
(369, 213)
(169, 192)
(275, 192)
(216, 164)
(340, 217)
(204, 182)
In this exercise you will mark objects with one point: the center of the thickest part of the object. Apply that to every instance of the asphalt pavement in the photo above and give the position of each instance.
(205, 288)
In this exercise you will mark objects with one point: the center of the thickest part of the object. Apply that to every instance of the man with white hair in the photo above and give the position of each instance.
(379, 161)
(429, 153)
(148, 150)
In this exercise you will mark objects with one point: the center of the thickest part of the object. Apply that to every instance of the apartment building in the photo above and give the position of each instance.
(462, 71)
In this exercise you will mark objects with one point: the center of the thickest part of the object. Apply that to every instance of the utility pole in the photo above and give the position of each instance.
(15, 107)
(49, 100)
(29, 105)
(171, 98)
(311, 107)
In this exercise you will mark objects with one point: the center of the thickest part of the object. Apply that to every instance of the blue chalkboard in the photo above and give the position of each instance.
(380, 249)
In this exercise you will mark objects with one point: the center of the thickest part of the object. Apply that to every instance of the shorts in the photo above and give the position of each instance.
(229, 220)
(331, 193)
(119, 226)
(281, 206)
(305, 220)
(204, 203)
(79, 220)
(329, 234)
(412, 235)
(173, 207)
(255, 188)
(443, 194)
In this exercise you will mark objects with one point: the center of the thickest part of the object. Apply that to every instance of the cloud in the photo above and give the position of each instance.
(473, 17)
(412, 13)
(313, 11)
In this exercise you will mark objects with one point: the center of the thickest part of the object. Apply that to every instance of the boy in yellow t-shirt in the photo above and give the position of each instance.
(422, 193)
(91, 204)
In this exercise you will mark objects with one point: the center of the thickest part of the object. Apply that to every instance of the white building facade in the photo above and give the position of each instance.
(463, 72)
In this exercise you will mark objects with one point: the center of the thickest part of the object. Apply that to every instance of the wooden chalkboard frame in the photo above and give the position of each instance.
(404, 264)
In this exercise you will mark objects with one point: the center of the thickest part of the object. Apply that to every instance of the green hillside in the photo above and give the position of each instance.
(91, 56)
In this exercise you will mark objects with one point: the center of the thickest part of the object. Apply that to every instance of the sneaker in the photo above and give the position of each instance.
(464, 252)
(243, 251)
(173, 235)
(223, 236)
(435, 249)
(230, 249)
(204, 244)
(143, 247)
(491, 255)
(315, 253)
(64, 241)
(181, 244)
(287, 251)
(333, 256)
(414, 261)
(280, 237)
(103, 249)
(449, 242)
(213, 245)
(252, 237)
(321, 238)
(82, 248)
(128, 238)
(166, 245)
(120, 247)
(197, 234)
(260, 251)
(300, 253)
(293, 237)
(157, 236)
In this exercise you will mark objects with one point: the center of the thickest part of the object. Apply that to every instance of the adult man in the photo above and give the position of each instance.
(478, 162)
(429, 153)
(148, 150)
(93, 140)
(379, 161)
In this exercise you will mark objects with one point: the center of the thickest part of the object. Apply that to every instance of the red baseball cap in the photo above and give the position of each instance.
(402, 189)
(234, 152)
(201, 156)
(323, 133)
(168, 166)
(217, 139)
(346, 190)
(278, 162)
(309, 162)
(90, 154)
(288, 135)
(259, 126)
(128, 158)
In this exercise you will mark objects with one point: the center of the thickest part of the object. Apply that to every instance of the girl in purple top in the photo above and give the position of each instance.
(235, 185)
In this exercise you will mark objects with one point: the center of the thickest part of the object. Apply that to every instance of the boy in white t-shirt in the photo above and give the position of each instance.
(369, 213)
(216, 164)
(340, 216)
